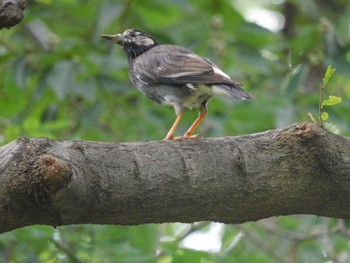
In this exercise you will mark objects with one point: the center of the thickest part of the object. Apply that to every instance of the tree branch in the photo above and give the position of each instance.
(302, 169)
(11, 12)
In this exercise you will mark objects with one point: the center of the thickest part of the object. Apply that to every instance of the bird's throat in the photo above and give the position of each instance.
(134, 51)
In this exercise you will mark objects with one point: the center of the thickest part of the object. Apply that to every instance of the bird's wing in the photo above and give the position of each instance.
(177, 65)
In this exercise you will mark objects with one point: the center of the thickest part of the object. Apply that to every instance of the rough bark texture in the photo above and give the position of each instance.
(302, 169)
(11, 12)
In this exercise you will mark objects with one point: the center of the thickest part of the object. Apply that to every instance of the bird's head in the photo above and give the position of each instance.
(134, 42)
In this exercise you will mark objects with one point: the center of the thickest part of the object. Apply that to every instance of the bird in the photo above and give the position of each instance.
(175, 76)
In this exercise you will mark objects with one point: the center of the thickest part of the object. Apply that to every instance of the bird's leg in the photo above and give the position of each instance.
(188, 134)
(201, 117)
(170, 135)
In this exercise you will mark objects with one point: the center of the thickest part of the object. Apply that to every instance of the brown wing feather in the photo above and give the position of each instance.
(175, 64)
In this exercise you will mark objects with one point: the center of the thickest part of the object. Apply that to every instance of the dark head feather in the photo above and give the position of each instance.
(139, 42)
(134, 42)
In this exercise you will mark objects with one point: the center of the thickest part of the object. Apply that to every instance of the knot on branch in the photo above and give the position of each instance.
(56, 174)
(298, 133)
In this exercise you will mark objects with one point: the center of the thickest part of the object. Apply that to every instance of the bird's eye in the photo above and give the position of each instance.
(132, 34)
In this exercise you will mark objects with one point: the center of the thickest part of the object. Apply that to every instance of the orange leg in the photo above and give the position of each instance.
(188, 134)
(170, 135)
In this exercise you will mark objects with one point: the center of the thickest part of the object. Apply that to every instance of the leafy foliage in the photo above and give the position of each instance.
(332, 100)
(59, 79)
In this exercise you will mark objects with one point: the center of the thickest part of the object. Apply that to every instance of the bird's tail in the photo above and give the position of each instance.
(232, 90)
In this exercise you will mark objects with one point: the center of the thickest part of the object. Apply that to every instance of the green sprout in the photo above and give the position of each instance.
(332, 100)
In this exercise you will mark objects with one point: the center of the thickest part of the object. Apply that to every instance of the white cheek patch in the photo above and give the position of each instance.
(145, 41)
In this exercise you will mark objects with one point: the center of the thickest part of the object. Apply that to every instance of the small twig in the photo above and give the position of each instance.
(297, 236)
(320, 106)
(327, 245)
(313, 119)
(65, 249)
(262, 245)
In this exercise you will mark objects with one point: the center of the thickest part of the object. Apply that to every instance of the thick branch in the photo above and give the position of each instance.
(11, 12)
(302, 169)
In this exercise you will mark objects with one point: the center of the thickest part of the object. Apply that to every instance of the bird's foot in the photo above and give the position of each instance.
(194, 136)
(171, 137)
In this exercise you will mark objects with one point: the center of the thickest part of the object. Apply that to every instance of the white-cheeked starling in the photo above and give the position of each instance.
(176, 76)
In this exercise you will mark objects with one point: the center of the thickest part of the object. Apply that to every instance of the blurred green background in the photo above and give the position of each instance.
(61, 80)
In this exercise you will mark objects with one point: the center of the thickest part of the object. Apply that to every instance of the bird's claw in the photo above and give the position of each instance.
(195, 136)
(169, 137)
(178, 138)
(173, 138)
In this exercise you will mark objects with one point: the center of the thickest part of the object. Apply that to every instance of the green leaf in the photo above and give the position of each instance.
(324, 116)
(332, 100)
(328, 75)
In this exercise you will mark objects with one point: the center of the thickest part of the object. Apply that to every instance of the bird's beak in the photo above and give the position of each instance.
(117, 38)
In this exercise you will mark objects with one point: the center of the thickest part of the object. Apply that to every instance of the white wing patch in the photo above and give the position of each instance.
(192, 55)
(220, 72)
(182, 74)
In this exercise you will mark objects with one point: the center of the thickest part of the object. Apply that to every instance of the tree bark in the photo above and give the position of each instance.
(11, 12)
(301, 169)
